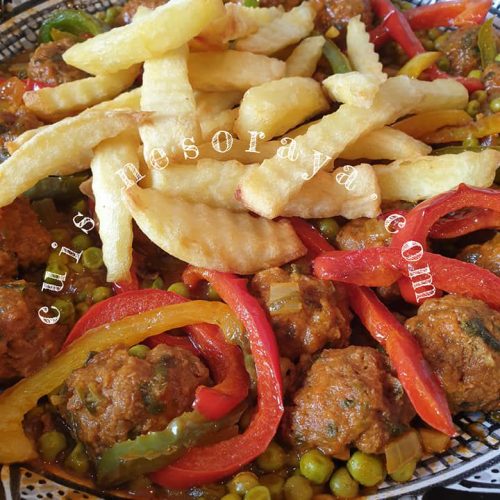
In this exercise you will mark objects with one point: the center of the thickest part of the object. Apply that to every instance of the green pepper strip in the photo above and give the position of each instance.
(338, 61)
(462, 149)
(486, 41)
(71, 21)
(149, 452)
(60, 188)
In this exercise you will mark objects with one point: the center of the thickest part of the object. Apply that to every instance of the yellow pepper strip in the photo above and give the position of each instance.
(423, 124)
(22, 397)
(419, 63)
(488, 125)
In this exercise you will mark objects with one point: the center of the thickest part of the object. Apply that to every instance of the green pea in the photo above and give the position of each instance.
(434, 33)
(243, 483)
(50, 444)
(179, 288)
(343, 485)
(497, 58)
(273, 459)
(298, 488)
(444, 64)
(59, 235)
(475, 73)
(328, 228)
(258, 493)
(81, 242)
(473, 107)
(92, 258)
(480, 95)
(495, 105)
(440, 40)
(158, 284)
(66, 310)
(274, 483)
(101, 293)
(428, 44)
(82, 308)
(470, 142)
(77, 460)
(57, 268)
(139, 351)
(251, 3)
(79, 206)
(212, 293)
(56, 258)
(231, 496)
(368, 470)
(316, 466)
(404, 473)
(77, 268)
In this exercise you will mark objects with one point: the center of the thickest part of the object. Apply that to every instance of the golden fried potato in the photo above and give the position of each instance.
(304, 58)
(440, 94)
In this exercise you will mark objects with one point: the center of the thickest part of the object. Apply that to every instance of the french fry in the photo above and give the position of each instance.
(304, 58)
(285, 30)
(115, 221)
(261, 15)
(167, 27)
(386, 144)
(54, 103)
(47, 152)
(215, 111)
(275, 107)
(166, 91)
(267, 189)
(239, 151)
(428, 176)
(212, 237)
(353, 88)
(446, 93)
(224, 120)
(232, 70)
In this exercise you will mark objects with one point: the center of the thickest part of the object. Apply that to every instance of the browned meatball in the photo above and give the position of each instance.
(461, 49)
(491, 76)
(338, 13)
(24, 242)
(13, 125)
(117, 396)
(130, 8)
(349, 398)
(486, 255)
(322, 317)
(359, 234)
(26, 343)
(460, 338)
(47, 65)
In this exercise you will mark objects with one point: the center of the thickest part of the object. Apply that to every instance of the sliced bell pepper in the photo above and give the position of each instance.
(487, 43)
(205, 464)
(338, 61)
(419, 63)
(453, 150)
(420, 383)
(15, 446)
(465, 222)
(225, 360)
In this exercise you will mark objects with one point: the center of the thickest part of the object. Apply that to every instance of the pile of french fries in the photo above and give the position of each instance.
(230, 131)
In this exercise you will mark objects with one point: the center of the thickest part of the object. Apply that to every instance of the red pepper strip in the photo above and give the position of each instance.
(471, 84)
(382, 266)
(420, 220)
(415, 375)
(420, 383)
(205, 464)
(225, 360)
(465, 222)
(442, 14)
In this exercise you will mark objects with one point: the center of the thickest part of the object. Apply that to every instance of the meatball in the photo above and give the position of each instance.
(130, 8)
(486, 255)
(117, 396)
(338, 13)
(349, 398)
(322, 317)
(460, 338)
(47, 65)
(26, 343)
(491, 76)
(24, 242)
(12, 125)
(359, 234)
(462, 51)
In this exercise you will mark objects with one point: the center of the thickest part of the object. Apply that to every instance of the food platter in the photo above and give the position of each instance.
(470, 459)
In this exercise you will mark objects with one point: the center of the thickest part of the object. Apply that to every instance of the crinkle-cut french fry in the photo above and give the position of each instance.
(115, 221)
(385, 144)
(210, 103)
(446, 93)
(239, 151)
(62, 148)
(351, 192)
(267, 189)
(261, 15)
(304, 58)
(425, 177)
(222, 121)
(167, 27)
(353, 88)
(232, 70)
(54, 103)
(212, 237)
(286, 30)
(127, 100)
(275, 107)
(166, 92)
